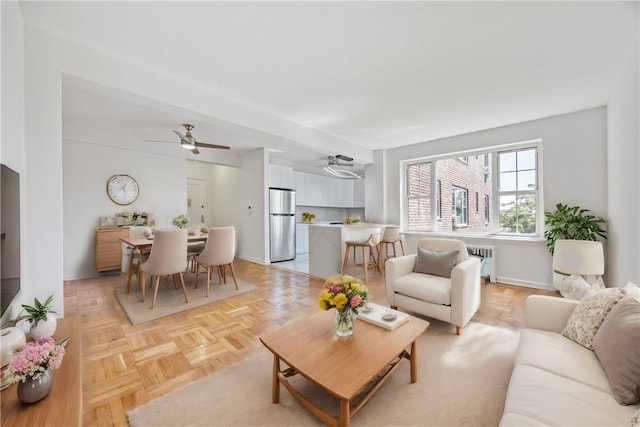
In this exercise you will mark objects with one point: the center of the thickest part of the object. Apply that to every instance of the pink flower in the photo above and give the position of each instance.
(356, 300)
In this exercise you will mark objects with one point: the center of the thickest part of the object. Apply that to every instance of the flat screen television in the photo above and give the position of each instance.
(10, 236)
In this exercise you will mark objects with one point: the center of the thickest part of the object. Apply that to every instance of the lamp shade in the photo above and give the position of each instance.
(578, 257)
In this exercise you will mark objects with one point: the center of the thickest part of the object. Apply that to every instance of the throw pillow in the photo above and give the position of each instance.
(617, 345)
(584, 322)
(435, 263)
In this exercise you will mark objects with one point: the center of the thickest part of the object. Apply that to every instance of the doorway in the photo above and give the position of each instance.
(196, 200)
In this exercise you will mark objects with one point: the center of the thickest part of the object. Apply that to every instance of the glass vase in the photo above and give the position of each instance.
(31, 391)
(345, 322)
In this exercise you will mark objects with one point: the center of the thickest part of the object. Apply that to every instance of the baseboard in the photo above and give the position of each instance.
(525, 283)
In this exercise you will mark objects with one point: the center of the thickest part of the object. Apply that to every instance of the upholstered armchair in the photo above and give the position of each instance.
(453, 299)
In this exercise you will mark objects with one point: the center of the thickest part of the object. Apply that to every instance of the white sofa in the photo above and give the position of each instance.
(556, 381)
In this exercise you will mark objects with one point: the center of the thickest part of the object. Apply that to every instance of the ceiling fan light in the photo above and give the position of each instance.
(342, 173)
(187, 144)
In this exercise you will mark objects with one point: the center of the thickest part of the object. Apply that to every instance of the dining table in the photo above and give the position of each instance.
(143, 244)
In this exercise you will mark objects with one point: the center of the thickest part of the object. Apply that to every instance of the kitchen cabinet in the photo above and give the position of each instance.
(318, 190)
(358, 193)
(109, 247)
(281, 176)
(302, 239)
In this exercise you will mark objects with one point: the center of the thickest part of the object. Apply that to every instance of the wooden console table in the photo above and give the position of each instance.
(63, 405)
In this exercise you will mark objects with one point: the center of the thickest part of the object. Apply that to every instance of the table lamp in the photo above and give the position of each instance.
(579, 258)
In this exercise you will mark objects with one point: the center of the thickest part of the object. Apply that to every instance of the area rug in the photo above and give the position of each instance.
(171, 300)
(462, 381)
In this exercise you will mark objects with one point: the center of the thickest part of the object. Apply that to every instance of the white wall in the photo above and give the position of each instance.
(86, 169)
(252, 196)
(624, 180)
(574, 172)
(12, 134)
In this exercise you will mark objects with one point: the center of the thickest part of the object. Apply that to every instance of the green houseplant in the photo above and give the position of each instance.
(573, 223)
(38, 317)
(181, 221)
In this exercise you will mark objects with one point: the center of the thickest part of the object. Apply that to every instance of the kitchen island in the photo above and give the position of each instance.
(327, 246)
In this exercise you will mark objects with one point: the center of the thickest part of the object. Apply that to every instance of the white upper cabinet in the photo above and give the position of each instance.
(318, 190)
(358, 193)
(281, 176)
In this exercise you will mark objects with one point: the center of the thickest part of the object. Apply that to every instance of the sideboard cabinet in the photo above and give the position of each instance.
(109, 247)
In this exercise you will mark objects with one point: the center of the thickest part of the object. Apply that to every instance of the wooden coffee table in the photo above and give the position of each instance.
(343, 367)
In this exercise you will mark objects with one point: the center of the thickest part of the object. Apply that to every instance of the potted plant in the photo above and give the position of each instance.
(181, 221)
(572, 223)
(41, 323)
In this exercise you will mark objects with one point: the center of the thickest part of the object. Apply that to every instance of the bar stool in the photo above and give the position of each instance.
(391, 236)
(371, 243)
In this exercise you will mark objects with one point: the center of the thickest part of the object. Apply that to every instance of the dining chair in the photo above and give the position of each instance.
(168, 257)
(218, 252)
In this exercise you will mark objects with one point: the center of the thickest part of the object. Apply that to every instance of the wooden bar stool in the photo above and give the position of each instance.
(371, 243)
(391, 236)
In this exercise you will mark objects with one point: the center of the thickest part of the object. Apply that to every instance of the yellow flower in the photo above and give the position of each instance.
(322, 303)
(339, 301)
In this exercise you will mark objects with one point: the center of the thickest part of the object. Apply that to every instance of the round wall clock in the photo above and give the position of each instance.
(122, 189)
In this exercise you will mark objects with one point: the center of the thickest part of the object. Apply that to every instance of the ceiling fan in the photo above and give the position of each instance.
(336, 164)
(189, 142)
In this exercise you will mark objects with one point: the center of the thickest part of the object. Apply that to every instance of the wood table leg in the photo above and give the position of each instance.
(275, 385)
(130, 270)
(413, 361)
(344, 419)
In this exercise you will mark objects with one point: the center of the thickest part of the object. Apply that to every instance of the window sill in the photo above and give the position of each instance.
(534, 240)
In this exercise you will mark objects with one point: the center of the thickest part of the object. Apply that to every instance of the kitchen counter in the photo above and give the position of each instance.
(327, 246)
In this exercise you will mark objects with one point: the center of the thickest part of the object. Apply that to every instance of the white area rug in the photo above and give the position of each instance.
(171, 300)
(462, 380)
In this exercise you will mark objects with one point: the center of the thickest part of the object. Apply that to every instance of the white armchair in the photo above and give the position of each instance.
(454, 300)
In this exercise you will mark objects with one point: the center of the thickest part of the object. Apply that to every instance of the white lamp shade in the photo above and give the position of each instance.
(578, 257)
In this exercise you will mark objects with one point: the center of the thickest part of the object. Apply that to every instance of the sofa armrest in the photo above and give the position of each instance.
(548, 313)
(465, 291)
(395, 268)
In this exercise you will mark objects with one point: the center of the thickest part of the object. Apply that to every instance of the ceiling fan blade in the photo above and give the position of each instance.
(155, 140)
(195, 151)
(179, 135)
(205, 145)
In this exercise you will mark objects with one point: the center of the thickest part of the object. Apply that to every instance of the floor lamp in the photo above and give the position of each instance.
(575, 259)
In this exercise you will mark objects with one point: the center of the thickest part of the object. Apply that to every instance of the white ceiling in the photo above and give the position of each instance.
(374, 74)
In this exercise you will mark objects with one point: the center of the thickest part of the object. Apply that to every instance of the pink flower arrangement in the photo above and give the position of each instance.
(31, 360)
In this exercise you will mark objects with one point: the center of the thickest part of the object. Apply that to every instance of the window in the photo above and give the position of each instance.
(486, 208)
(438, 204)
(517, 190)
(419, 196)
(506, 176)
(459, 206)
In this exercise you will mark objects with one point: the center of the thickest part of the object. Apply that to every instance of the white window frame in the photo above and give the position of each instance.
(495, 211)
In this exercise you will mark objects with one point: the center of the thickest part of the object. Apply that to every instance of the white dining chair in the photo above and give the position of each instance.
(218, 252)
(168, 257)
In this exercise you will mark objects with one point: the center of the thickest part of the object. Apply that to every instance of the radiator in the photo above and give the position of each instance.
(487, 253)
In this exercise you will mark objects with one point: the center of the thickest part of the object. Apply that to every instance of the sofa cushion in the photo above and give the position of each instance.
(539, 397)
(617, 345)
(561, 356)
(435, 263)
(433, 289)
(588, 315)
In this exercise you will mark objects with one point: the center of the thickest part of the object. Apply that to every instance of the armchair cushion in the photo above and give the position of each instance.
(435, 263)
(433, 289)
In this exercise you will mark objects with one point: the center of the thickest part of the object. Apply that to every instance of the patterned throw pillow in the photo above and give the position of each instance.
(588, 315)
(635, 420)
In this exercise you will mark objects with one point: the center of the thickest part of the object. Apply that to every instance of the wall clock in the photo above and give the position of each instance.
(122, 189)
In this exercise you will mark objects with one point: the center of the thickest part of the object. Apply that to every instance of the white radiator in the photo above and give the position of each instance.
(487, 253)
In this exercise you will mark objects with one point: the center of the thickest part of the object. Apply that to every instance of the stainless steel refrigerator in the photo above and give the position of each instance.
(282, 224)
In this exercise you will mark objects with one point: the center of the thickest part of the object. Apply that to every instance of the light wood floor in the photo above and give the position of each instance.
(125, 366)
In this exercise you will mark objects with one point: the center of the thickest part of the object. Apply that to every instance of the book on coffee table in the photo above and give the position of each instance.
(383, 316)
